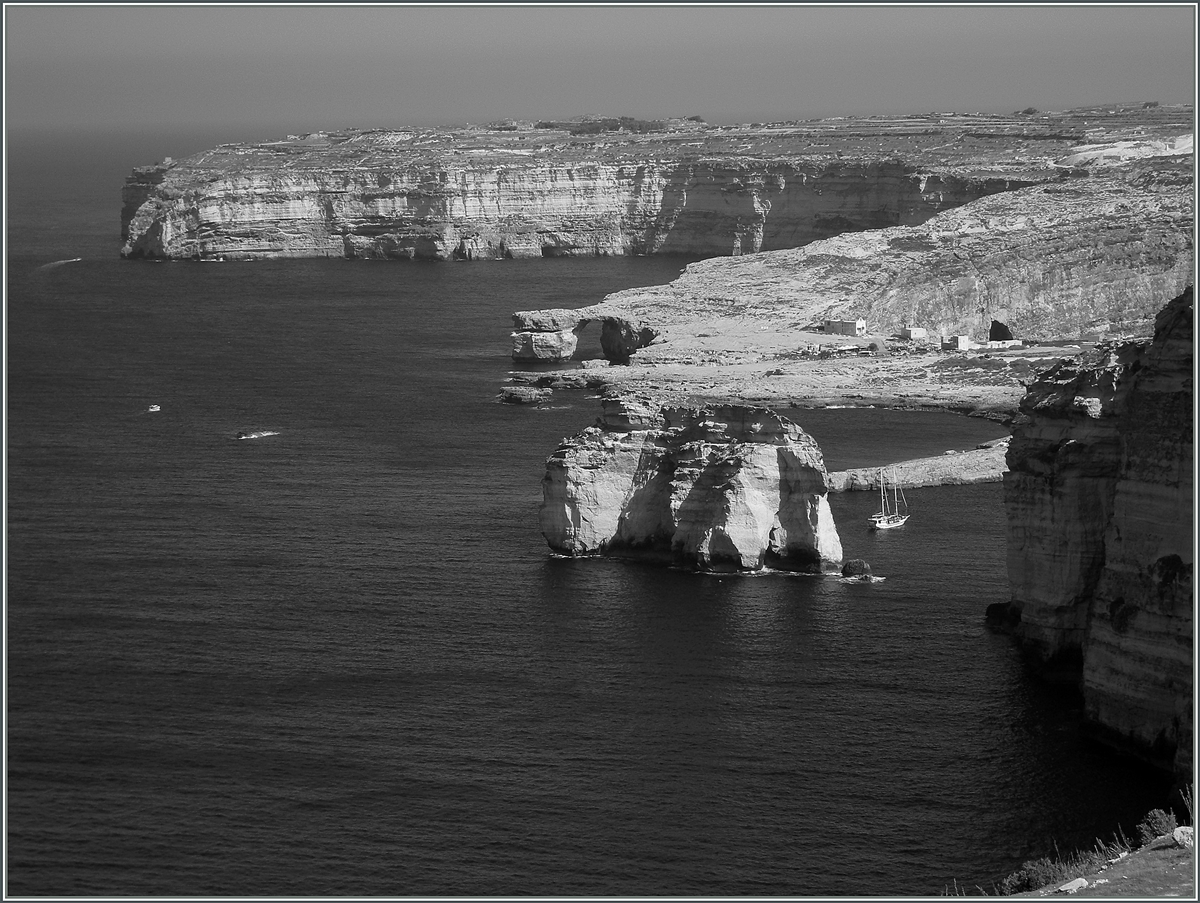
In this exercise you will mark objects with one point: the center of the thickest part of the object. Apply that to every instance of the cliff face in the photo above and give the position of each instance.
(725, 488)
(561, 189)
(1087, 255)
(1100, 547)
(483, 208)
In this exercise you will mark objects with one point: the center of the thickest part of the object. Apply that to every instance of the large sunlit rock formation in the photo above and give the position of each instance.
(1088, 255)
(481, 207)
(597, 187)
(1099, 497)
(724, 488)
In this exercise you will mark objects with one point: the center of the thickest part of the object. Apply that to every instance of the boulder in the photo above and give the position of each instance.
(856, 567)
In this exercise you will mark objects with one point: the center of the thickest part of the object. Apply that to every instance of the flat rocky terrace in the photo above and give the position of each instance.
(1019, 145)
(1090, 255)
(983, 383)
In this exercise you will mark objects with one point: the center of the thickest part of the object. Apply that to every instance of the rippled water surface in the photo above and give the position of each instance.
(338, 659)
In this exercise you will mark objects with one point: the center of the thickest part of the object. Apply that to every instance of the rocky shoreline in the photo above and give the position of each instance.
(984, 464)
(946, 261)
(612, 186)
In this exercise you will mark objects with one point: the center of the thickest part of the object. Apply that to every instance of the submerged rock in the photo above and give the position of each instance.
(719, 488)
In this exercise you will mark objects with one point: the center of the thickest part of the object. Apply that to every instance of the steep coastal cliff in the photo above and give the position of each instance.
(726, 488)
(1099, 497)
(564, 189)
(482, 207)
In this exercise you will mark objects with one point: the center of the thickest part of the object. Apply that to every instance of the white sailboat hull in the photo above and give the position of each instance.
(889, 516)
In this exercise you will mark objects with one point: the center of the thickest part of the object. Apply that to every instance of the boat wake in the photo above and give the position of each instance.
(258, 434)
(58, 263)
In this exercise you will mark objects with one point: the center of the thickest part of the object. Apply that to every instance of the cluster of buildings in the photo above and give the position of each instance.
(964, 343)
(918, 334)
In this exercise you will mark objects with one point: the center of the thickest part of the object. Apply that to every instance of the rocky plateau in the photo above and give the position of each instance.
(1086, 246)
(600, 187)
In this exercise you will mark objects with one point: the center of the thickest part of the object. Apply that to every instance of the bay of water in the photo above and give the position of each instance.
(338, 659)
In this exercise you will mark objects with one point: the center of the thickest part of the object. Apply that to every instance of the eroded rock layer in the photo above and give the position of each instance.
(480, 209)
(1099, 498)
(724, 488)
(1088, 255)
(566, 189)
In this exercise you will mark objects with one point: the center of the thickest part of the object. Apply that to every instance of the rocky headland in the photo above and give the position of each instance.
(1066, 231)
(600, 187)
(1099, 498)
(984, 464)
(721, 488)
(1073, 258)
(1088, 251)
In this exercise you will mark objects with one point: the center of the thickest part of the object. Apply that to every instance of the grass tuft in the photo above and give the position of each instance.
(1035, 874)
(1059, 869)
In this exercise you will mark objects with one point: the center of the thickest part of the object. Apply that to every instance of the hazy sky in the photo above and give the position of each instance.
(307, 67)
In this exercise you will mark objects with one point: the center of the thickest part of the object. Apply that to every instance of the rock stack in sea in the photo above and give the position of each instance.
(1099, 498)
(718, 488)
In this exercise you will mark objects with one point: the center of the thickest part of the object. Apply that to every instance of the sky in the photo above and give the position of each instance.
(307, 67)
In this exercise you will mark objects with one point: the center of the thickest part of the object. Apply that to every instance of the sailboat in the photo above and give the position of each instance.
(889, 515)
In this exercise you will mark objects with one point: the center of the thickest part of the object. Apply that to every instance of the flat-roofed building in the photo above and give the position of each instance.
(846, 327)
(957, 343)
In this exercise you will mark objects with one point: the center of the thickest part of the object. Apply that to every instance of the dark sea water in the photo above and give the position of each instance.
(338, 659)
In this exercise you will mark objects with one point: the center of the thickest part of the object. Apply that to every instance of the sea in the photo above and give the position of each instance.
(337, 658)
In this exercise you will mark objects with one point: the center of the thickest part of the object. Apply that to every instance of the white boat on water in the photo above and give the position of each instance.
(889, 515)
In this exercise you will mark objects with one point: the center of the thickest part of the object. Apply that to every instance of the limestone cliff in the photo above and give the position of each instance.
(369, 201)
(725, 488)
(1099, 498)
(1090, 254)
(564, 189)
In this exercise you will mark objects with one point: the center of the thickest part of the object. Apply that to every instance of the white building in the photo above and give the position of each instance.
(846, 327)
(913, 332)
(958, 343)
